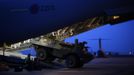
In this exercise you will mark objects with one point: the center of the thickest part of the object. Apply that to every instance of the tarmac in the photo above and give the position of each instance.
(98, 66)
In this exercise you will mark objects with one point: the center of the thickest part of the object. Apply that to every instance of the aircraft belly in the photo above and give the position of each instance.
(23, 19)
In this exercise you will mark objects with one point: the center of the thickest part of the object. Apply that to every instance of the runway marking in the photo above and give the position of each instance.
(73, 71)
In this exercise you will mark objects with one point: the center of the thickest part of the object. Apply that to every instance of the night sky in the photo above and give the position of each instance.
(119, 37)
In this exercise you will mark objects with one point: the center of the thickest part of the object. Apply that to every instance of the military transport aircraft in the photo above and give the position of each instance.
(24, 19)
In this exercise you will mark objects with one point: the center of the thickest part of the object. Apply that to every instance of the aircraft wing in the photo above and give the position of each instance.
(24, 19)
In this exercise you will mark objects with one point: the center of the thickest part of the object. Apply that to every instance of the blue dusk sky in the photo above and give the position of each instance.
(120, 37)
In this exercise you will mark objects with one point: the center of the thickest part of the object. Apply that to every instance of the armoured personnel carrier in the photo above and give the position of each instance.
(75, 55)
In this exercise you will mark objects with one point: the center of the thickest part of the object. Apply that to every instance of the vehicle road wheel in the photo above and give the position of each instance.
(72, 61)
(18, 69)
(80, 65)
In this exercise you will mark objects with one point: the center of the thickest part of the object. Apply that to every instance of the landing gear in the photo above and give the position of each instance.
(101, 54)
